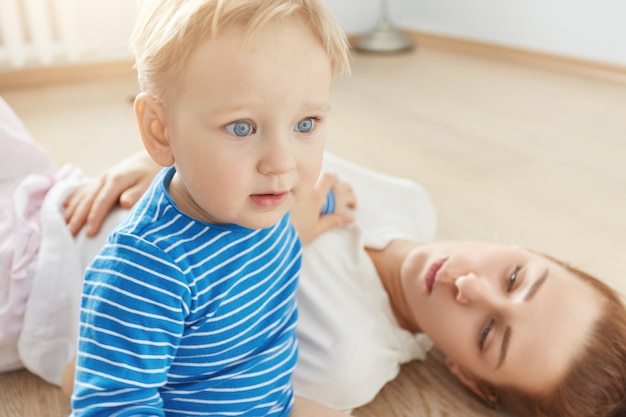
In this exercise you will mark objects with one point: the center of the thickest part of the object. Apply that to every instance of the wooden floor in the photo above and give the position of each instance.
(509, 153)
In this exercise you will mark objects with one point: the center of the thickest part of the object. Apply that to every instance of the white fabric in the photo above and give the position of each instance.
(350, 343)
(49, 332)
(41, 264)
(26, 174)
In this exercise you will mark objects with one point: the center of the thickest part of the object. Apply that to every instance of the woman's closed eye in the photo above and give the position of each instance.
(240, 128)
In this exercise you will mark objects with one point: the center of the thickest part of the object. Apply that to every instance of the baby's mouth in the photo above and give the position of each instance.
(269, 200)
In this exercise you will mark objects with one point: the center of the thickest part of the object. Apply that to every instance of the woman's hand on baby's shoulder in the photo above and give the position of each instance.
(122, 184)
(306, 215)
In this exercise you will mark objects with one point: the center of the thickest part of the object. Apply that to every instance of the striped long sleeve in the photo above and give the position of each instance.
(183, 318)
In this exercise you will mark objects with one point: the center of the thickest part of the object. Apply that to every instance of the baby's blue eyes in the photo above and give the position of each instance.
(305, 125)
(240, 128)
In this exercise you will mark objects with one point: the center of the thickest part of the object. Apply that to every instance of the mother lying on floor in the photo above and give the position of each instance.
(517, 327)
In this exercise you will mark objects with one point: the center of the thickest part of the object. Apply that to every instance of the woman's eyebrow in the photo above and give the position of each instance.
(507, 333)
(504, 348)
(536, 285)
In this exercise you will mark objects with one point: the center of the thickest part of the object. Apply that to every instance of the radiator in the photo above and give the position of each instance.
(35, 33)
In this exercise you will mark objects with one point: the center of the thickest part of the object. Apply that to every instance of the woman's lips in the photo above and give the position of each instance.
(269, 200)
(431, 274)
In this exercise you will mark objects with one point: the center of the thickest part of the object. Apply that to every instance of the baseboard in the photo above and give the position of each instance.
(32, 78)
(541, 60)
(21, 79)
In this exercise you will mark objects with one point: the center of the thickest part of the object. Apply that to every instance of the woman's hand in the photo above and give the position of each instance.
(124, 183)
(306, 216)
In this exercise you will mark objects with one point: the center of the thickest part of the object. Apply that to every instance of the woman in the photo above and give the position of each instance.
(516, 326)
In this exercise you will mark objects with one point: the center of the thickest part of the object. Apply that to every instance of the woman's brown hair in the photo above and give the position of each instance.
(595, 384)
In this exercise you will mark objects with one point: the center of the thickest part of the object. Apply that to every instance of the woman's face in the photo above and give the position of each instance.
(505, 315)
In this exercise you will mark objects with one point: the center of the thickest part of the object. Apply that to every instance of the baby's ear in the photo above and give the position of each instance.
(488, 396)
(151, 120)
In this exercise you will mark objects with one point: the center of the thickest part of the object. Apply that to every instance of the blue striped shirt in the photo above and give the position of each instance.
(184, 318)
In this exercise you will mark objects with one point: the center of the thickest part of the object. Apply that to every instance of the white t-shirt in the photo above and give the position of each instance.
(350, 342)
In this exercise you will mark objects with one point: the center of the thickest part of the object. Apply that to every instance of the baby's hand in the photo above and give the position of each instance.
(306, 216)
(124, 183)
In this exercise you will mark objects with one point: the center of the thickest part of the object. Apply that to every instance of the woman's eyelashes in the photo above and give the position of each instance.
(513, 278)
(484, 334)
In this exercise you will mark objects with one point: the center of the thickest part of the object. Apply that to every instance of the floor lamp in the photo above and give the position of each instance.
(384, 37)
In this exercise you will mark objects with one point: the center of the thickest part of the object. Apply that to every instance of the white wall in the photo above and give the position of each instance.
(105, 27)
(587, 29)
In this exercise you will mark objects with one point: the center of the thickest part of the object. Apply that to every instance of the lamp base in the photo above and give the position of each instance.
(384, 38)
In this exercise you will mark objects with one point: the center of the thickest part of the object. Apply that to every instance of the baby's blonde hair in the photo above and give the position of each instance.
(167, 32)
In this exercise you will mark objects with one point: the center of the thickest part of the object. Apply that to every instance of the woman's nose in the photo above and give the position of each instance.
(473, 289)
